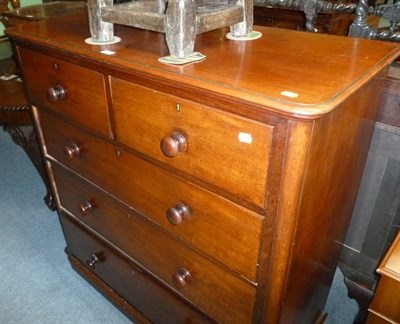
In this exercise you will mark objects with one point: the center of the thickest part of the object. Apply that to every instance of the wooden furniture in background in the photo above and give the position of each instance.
(328, 23)
(335, 17)
(13, 99)
(39, 11)
(217, 191)
(12, 14)
(7, 5)
(15, 117)
(390, 107)
(385, 305)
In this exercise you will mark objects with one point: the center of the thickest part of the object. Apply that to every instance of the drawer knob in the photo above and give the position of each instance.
(56, 94)
(179, 213)
(173, 144)
(180, 278)
(92, 263)
(71, 150)
(85, 207)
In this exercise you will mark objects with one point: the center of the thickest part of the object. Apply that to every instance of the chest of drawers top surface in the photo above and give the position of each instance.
(295, 72)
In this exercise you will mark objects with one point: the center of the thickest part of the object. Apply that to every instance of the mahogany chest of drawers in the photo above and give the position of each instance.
(212, 192)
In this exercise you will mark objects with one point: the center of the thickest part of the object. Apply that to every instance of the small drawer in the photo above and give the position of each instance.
(222, 229)
(386, 302)
(149, 297)
(224, 150)
(220, 294)
(71, 90)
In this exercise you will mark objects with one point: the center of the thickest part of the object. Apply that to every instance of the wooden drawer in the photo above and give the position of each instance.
(386, 302)
(208, 286)
(85, 99)
(228, 232)
(149, 297)
(227, 151)
(377, 319)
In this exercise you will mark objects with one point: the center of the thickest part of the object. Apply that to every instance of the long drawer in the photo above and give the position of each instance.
(68, 89)
(148, 296)
(224, 230)
(225, 150)
(190, 274)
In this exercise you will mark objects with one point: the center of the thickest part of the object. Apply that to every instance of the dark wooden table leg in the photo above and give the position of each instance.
(27, 140)
(15, 117)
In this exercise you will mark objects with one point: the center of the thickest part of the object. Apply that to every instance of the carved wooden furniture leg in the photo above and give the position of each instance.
(245, 27)
(25, 137)
(100, 30)
(361, 28)
(180, 28)
(16, 120)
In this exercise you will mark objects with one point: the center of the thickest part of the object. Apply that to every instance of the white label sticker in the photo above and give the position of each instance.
(108, 52)
(245, 138)
(289, 94)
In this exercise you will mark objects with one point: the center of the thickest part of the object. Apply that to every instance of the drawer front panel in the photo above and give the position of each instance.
(386, 301)
(222, 229)
(147, 296)
(207, 286)
(221, 149)
(85, 99)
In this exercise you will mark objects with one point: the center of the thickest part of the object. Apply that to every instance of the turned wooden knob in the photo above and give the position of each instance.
(71, 150)
(56, 93)
(177, 214)
(173, 144)
(180, 278)
(85, 207)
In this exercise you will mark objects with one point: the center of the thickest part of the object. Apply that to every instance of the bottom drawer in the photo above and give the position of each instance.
(137, 288)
